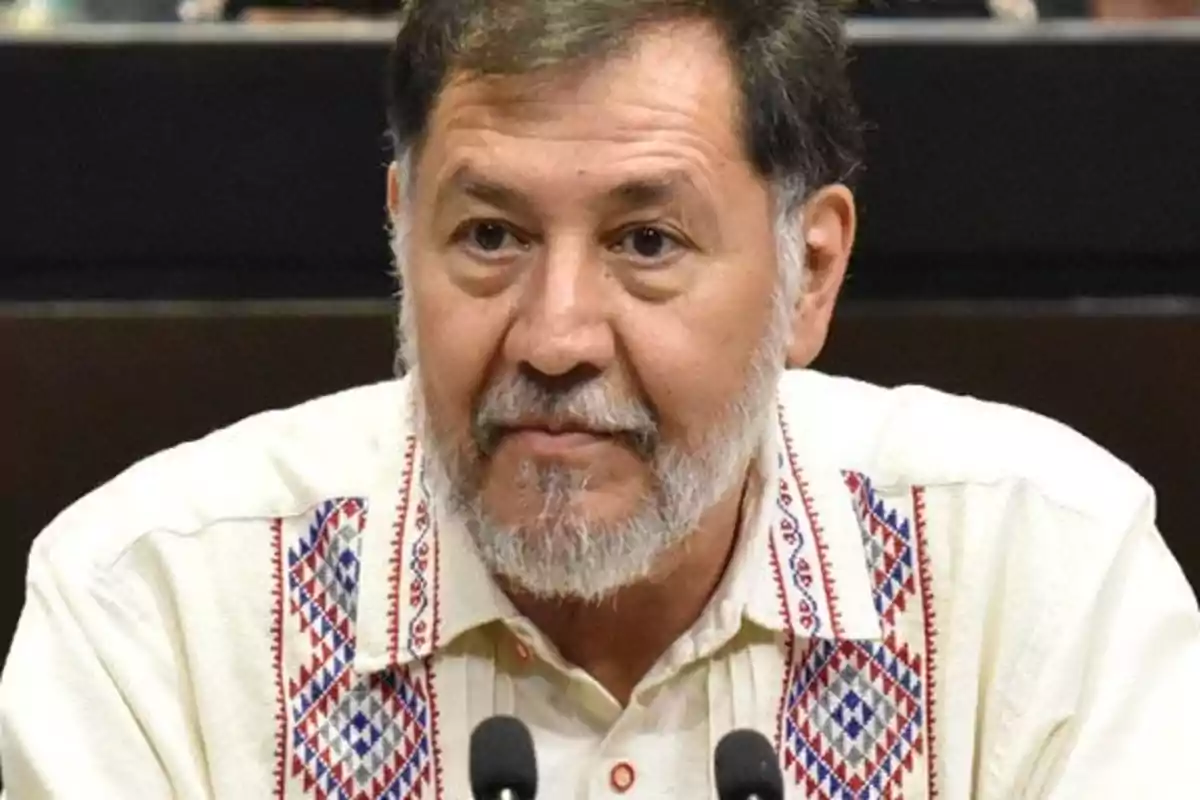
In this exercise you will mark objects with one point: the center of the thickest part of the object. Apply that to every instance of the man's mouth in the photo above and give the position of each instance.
(555, 441)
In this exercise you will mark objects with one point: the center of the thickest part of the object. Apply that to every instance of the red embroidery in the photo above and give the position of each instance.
(397, 559)
(281, 725)
(930, 637)
(814, 524)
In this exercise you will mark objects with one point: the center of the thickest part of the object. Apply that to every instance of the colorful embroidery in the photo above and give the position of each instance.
(796, 547)
(418, 557)
(855, 714)
(351, 737)
(795, 565)
(799, 536)
(888, 545)
(854, 718)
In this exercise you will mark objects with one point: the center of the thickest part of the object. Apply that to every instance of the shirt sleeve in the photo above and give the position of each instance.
(1119, 698)
(90, 695)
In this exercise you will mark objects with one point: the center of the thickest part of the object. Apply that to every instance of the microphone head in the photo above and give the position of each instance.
(501, 757)
(746, 766)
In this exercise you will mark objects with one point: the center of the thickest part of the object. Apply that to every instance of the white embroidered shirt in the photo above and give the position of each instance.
(936, 597)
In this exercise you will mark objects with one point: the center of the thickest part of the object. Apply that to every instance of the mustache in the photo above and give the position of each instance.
(595, 405)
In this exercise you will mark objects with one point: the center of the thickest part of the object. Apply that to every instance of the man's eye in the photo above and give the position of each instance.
(488, 236)
(647, 243)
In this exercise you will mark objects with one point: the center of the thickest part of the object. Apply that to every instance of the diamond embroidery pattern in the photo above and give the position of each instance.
(855, 712)
(352, 737)
(888, 542)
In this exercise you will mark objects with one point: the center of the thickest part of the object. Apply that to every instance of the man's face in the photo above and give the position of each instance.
(591, 296)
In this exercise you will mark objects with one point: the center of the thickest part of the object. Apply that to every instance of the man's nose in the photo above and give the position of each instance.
(563, 322)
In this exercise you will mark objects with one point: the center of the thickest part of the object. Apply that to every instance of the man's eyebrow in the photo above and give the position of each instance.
(640, 192)
(659, 189)
(468, 182)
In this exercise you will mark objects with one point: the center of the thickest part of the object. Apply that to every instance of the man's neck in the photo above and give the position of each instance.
(619, 640)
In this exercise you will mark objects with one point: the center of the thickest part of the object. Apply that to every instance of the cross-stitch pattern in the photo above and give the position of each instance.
(855, 713)
(351, 737)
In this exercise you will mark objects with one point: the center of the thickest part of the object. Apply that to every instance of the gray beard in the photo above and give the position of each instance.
(561, 552)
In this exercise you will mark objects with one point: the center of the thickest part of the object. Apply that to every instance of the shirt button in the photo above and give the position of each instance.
(621, 777)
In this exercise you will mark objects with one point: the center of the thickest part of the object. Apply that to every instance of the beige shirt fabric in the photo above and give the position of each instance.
(935, 597)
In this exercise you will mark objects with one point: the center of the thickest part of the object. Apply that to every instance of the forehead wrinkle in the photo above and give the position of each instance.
(532, 163)
(643, 180)
(616, 120)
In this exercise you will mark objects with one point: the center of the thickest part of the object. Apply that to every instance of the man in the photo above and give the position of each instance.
(599, 501)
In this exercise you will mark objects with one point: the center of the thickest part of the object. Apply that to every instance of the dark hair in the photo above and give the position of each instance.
(800, 123)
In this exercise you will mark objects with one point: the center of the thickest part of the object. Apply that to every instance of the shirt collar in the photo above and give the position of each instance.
(421, 584)
(800, 566)
(803, 566)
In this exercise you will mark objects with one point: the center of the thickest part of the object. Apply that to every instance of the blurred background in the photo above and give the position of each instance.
(192, 225)
(41, 14)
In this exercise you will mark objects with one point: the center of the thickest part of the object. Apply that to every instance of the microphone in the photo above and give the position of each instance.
(747, 768)
(502, 763)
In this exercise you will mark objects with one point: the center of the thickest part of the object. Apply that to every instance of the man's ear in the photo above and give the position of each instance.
(394, 195)
(828, 219)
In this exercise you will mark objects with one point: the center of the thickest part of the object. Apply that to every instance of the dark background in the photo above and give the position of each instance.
(192, 231)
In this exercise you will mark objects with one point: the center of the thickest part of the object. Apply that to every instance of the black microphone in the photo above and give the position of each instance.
(502, 763)
(747, 767)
